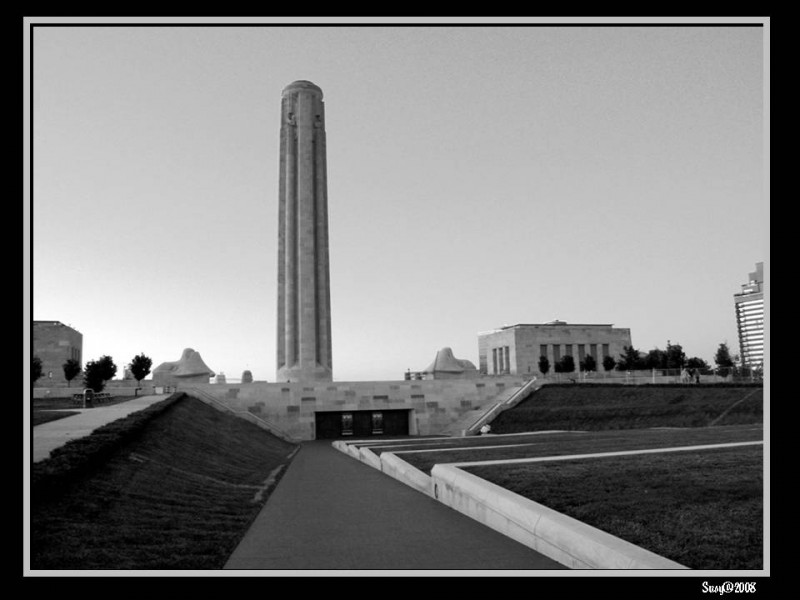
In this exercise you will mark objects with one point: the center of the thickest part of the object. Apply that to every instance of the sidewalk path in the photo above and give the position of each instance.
(54, 434)
(330, 511)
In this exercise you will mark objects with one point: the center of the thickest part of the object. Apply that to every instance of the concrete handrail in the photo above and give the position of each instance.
(569, 541)
(501, 406)
(247, 415)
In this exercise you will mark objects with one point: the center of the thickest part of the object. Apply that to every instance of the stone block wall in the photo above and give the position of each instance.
(54, 343)
(434, 405)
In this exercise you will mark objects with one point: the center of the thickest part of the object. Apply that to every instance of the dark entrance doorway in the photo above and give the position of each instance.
(361, 423)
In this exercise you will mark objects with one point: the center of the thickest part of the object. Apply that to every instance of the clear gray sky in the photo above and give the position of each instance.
(478, 176)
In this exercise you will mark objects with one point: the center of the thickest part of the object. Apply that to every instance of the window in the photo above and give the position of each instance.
(606, 350)
(347, 423)
(508, 360)
(377, 422)
(494, 360)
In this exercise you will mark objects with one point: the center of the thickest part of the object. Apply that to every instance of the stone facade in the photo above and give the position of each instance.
(433, 405)
(304, 314)
(55, 343)
(516, 349)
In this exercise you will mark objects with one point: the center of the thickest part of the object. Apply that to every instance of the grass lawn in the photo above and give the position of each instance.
(52, 409)
(63, 403)
(702, 509)
(599, 407)
(45, 416)
(557, 444)
(179, 495)
(453, 442)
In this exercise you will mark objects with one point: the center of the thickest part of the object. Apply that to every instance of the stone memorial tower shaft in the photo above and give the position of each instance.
(304, 307)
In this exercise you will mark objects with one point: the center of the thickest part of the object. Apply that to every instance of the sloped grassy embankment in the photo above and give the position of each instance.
(174, 486)
(702, 509)
(595, 407)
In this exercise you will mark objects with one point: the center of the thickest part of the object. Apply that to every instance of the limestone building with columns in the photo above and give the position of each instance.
(516, 349)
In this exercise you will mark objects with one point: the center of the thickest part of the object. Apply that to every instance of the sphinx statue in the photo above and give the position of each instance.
(189, 369)
(447, 366)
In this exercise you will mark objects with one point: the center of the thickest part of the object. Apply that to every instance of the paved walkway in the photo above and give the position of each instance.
(330, 511)
(54, 434)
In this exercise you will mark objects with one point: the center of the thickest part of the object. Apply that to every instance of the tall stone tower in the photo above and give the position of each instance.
(304, 306)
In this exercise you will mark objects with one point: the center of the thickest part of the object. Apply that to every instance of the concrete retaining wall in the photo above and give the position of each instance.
(367, 456)
(562, 538)
(433, 405)
(348, 449)
(399, 469)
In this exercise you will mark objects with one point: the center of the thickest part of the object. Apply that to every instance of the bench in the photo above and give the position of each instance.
(98, 398)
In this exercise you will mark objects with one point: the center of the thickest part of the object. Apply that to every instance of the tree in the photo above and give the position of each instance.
(588, 363)
(96, 373)
(723, 359)
(655, 359)
(36, 369)
(696, 363)
(676, 357)
(565, 365)
(93, 376)
(544, 365)
(71, 369)
(140, 367)
(630, 360)
(609, 363)
(108, 368)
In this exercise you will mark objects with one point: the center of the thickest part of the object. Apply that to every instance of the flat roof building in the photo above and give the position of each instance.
(516, 349)
(54, 343)
(749, 305)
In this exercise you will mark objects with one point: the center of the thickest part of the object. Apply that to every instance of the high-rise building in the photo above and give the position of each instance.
(750, 318)
(304, 306)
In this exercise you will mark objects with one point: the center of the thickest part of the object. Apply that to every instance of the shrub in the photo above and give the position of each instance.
(80, 456)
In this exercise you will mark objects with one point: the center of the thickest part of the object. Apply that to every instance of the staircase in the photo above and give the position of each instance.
(471, 422)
